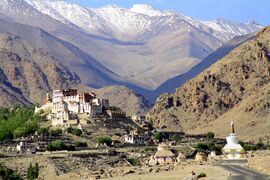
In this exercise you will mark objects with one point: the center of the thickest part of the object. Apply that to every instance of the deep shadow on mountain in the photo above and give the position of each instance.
(235, 88)
(170, 85)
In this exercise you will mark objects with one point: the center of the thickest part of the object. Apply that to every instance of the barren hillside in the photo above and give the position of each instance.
(237, 84)
(27, 72)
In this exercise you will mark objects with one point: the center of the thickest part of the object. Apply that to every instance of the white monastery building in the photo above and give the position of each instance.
(66, 105)
(135, 137)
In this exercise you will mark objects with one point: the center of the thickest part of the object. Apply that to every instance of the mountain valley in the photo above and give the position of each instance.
(144, 48)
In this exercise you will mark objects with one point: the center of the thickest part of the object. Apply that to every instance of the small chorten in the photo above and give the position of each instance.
(233, 150)
(164, 154)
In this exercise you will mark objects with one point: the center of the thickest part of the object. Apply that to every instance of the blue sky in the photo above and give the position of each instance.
(235, 10)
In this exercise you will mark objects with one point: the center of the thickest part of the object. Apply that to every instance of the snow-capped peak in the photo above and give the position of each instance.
(114, 6)
(146, 10)
(115, 21)
(44, 6)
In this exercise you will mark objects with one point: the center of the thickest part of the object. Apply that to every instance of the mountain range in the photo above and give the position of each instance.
(141, 47)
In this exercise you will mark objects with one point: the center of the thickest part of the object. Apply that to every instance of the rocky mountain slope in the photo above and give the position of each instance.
(142, 45)
(89, 70)
(234, 88)
(28, 72)
(170, 85)
(122, 97)
(128, 100)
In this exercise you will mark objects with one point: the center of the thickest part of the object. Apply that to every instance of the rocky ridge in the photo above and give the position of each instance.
(28, 72)
(238, 81)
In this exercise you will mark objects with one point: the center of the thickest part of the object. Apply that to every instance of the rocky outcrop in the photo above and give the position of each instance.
(242, 74)
(27, 72)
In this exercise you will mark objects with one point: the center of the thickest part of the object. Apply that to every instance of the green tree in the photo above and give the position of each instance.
(176, 138)
(56, 132)
(207, 147)
(44, 131)
(8, 174)
(69, 130)
(58, 144)
(18, 121)
(77, 132)
(158, 136)
(104, 140)
(81, 144)
(201, 175)
(201, 147)
(134, 162)
(32, 172)
(19, 132)
(210, 135)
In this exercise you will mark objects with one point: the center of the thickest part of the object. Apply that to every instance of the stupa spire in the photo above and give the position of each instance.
(232, 128)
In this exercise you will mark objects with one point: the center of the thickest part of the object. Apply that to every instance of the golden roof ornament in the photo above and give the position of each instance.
(232, 128)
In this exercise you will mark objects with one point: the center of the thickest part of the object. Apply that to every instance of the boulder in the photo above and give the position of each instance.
(201, 157)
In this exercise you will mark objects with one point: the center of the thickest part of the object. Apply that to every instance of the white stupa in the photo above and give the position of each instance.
(233, 150)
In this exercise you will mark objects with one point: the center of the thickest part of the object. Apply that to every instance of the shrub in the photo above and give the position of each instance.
(241, 143)
(149, 150)
(77, 132)
(32, 172)
(260, 144)
(210, 135)
(134, 162)
(158, 136)
(69, 129)
(201, 175)
(104, 140)
(123, 156)
(81, 144)
(43, 131)
(19, 132)
(56, 132)
(207, 147)
(70, 148)
(176, 138)
(202, 147)
(9, 174)
(248, 147)
(57, 145)
(253, 147)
